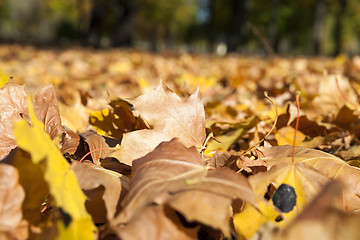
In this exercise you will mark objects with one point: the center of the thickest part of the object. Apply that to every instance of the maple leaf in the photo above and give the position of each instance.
(75, 116)
(94, 142)
(285, 136)
(62, 181)
(175, 175)
(330, 99)
(321, 220)
(306, 181)
(12, 108)
(47, 111)
(31, 178)
(70, 143)
(326, 164)
(114, 185)
(157, 223)
(12, 225)
(116, 121)
(169, 116)
(227, 137)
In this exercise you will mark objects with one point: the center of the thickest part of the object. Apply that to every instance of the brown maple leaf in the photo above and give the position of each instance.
(13, 107)
(96, 142)
(104, 189)
(47, 110)
(12, 195)
(175, 175)
(157, 223)
(169, 117)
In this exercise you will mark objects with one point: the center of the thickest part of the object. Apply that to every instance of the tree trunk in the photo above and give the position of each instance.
(318, 30)
(338, 27)
(274, 26)
(239, 12)
(211, 26)
(125, 23)
(154, 38)
(98, 12)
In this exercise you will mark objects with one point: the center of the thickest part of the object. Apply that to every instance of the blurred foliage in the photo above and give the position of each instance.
(276, 26)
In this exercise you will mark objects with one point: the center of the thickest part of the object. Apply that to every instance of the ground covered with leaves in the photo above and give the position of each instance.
(93, 145)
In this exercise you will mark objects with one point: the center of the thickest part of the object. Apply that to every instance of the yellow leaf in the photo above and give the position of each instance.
(285, 136)
(247, 222)
(116, 121)
(31, 177)
(61, 179)
(143, 83)
(3, 79)
(120, 67)
(224, 141)
(306, 182)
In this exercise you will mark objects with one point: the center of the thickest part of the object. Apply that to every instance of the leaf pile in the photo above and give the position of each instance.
(81, 163)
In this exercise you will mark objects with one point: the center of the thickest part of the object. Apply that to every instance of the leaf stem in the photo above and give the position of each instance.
(344, 96)
(297, 97)
(272, 128)
(94, 150)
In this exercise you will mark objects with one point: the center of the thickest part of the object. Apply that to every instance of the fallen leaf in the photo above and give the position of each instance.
(226, 138)
(12, 108)
(31, 178)
(220, 159)
(47, 111)
(169, 116)
(156, 223)
(90, 178)
(70, 143)
(321, 220)
(171, 173)
(326, 164)
(96, 142)
(251, 165)
(12, 225)
(330, 100)
(306, 181)
(116, 121)
(75, 117)
(62, 181)
(285, 136)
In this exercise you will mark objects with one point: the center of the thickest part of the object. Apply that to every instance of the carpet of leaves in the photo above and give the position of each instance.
(122, 144)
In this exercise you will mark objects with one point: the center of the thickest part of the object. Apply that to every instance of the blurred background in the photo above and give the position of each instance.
(291, 27)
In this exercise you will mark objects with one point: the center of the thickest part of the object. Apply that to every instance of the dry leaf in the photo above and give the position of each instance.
(12, 107)
(90, 178)
(12, 225)
(156, 223)
(96, 141)
(327, 164)
(172, 173)
(169, 116)
(47, 111)
(116, 121)
(321, 220)
(75, 116)
(61, 179)
(330, 100)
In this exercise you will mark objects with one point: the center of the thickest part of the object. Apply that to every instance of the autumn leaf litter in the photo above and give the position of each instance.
(83, 165)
